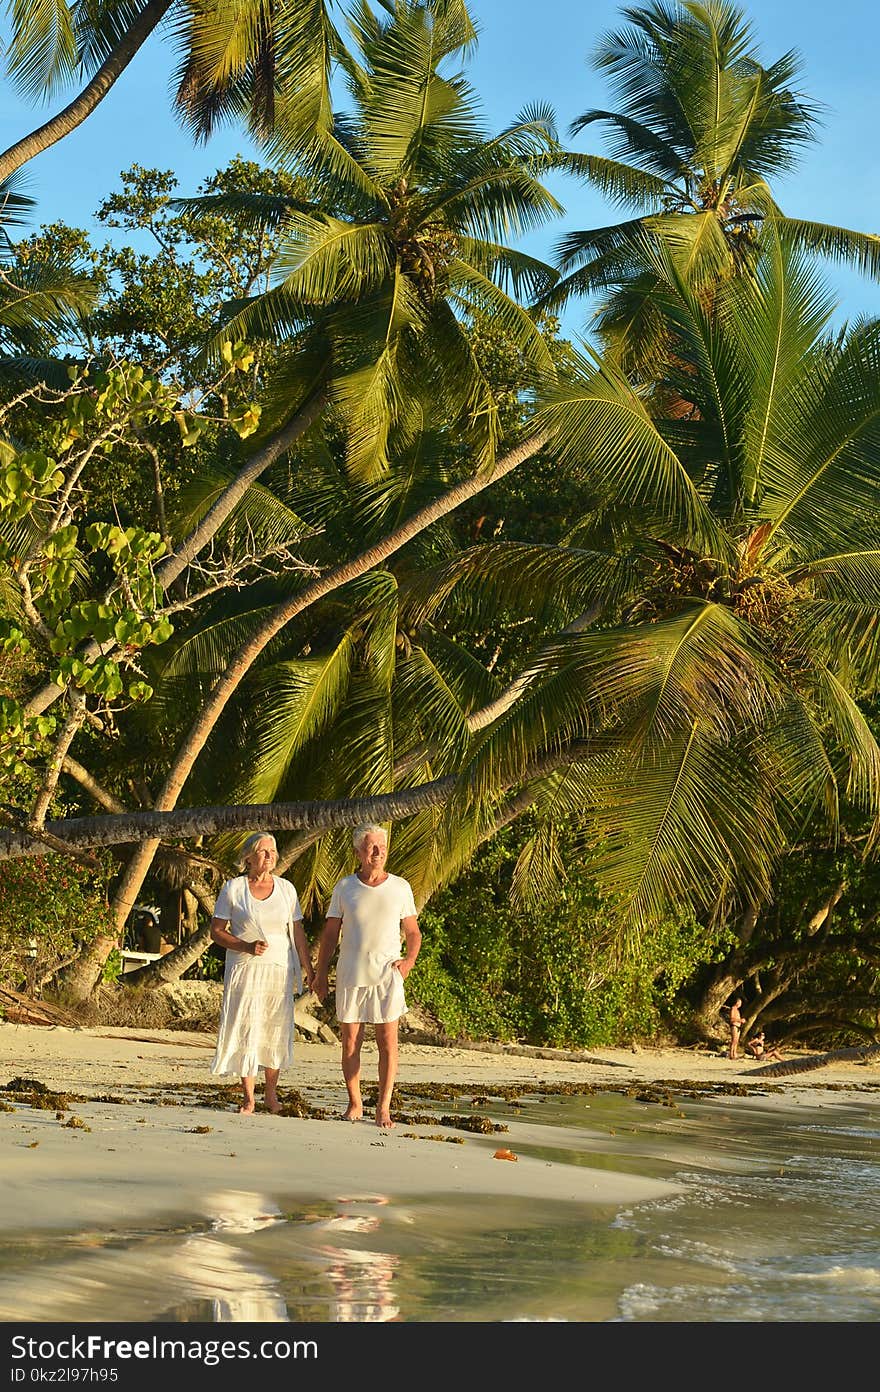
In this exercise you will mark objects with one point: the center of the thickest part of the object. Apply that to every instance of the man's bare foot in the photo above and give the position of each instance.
(246, 1109)
(352, 1114)
(383, 1119)
(273, 1106)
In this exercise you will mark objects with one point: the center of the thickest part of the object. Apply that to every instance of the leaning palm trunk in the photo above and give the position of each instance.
(172, 966)
(242, 662)
(861, 1053)
(92, 94)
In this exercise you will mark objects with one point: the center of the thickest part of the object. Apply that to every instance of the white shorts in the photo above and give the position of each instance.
(372, 1005)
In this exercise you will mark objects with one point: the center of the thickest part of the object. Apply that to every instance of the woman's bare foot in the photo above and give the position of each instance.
(383, 1119)
(352, 1113)
(246, 1109)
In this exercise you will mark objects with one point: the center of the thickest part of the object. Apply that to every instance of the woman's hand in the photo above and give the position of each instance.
(403, 966)
(258, 947)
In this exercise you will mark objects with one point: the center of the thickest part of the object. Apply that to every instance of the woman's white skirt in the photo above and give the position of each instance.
(372, 1005)
(256, 1018)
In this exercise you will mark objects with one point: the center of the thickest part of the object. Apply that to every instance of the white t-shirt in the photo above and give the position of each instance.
(371, 934)
(274, 916)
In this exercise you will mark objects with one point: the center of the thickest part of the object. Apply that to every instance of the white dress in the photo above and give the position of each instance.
(369, 988)
(256, 1017)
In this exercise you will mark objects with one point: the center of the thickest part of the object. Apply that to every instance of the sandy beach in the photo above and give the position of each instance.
(120, 1149)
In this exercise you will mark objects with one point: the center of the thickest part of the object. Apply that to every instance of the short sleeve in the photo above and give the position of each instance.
(223, 906)
(335, 909)
(408, 903)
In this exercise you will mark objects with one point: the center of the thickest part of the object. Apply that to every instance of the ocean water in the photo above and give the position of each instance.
(776, 1217)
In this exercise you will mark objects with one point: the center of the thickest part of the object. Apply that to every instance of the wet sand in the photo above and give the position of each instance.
(136, 1157)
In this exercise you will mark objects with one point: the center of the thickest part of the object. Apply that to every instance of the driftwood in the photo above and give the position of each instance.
(859, 1054)
(24, 1010)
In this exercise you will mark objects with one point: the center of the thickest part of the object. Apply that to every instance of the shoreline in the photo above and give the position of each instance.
(142, 1137)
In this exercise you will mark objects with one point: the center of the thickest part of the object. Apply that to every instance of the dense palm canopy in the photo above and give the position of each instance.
(240, 59)
(360, 695)
(734, 560)
(699, 132)
(407, 239)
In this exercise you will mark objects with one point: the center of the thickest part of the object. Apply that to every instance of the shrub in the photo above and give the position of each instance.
(49, 905)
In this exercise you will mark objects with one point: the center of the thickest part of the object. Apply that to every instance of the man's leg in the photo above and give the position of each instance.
(247, 1088)
(386, 1042)
(272, 1103)
(352, 1037)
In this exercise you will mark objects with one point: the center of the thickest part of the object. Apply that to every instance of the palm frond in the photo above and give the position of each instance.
(621, 183)
(861, 250)
(603, 431)
(821, 479)
(678, 824)
(855, 739)
(481, 295)
(43, 53)
(291, 704)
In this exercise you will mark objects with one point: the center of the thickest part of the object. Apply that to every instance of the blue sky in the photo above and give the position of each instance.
(527, 52)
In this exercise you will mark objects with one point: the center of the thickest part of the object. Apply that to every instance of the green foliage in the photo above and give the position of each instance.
(49, 906)
(551, 977)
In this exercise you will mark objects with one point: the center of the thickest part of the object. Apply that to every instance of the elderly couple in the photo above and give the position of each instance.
(258, 920)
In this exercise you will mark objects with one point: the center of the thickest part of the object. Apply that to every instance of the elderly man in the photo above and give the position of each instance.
(371, 910)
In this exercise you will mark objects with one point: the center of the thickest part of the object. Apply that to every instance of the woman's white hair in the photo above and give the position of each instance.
(368, 829)
(251, 844)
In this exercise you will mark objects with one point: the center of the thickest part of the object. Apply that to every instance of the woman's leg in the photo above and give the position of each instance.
(272, 1103)
(247, 1088)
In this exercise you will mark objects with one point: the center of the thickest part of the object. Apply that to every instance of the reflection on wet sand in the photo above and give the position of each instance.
(362, 1279)
(150, 1276)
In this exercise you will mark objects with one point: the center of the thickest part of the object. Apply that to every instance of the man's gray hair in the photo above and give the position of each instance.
(251, 844)
(368, 829)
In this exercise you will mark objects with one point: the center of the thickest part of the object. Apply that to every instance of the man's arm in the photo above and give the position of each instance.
(303, 952)
(329, 939)
(413, 935)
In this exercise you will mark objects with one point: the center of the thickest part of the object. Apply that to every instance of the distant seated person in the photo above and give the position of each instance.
(145, 930)
(757, 1047)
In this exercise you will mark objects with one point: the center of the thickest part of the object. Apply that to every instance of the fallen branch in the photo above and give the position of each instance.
(858, 1054)
(24, 1010)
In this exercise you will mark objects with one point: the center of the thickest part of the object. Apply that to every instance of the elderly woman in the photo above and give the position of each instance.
(373, 911)
(257, 918)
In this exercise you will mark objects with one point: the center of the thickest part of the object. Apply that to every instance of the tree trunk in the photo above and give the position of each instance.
(171, 569)
(727, 978)
(92, 94)
(172, 966)
(285, 816)
(239, 665)
(79, 979)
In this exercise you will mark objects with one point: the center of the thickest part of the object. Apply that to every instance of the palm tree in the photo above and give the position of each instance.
(360, 695)
(236, 56)
(407, 241)
(700, 130)
(42, 296)
(734, 561)
(372, 303)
